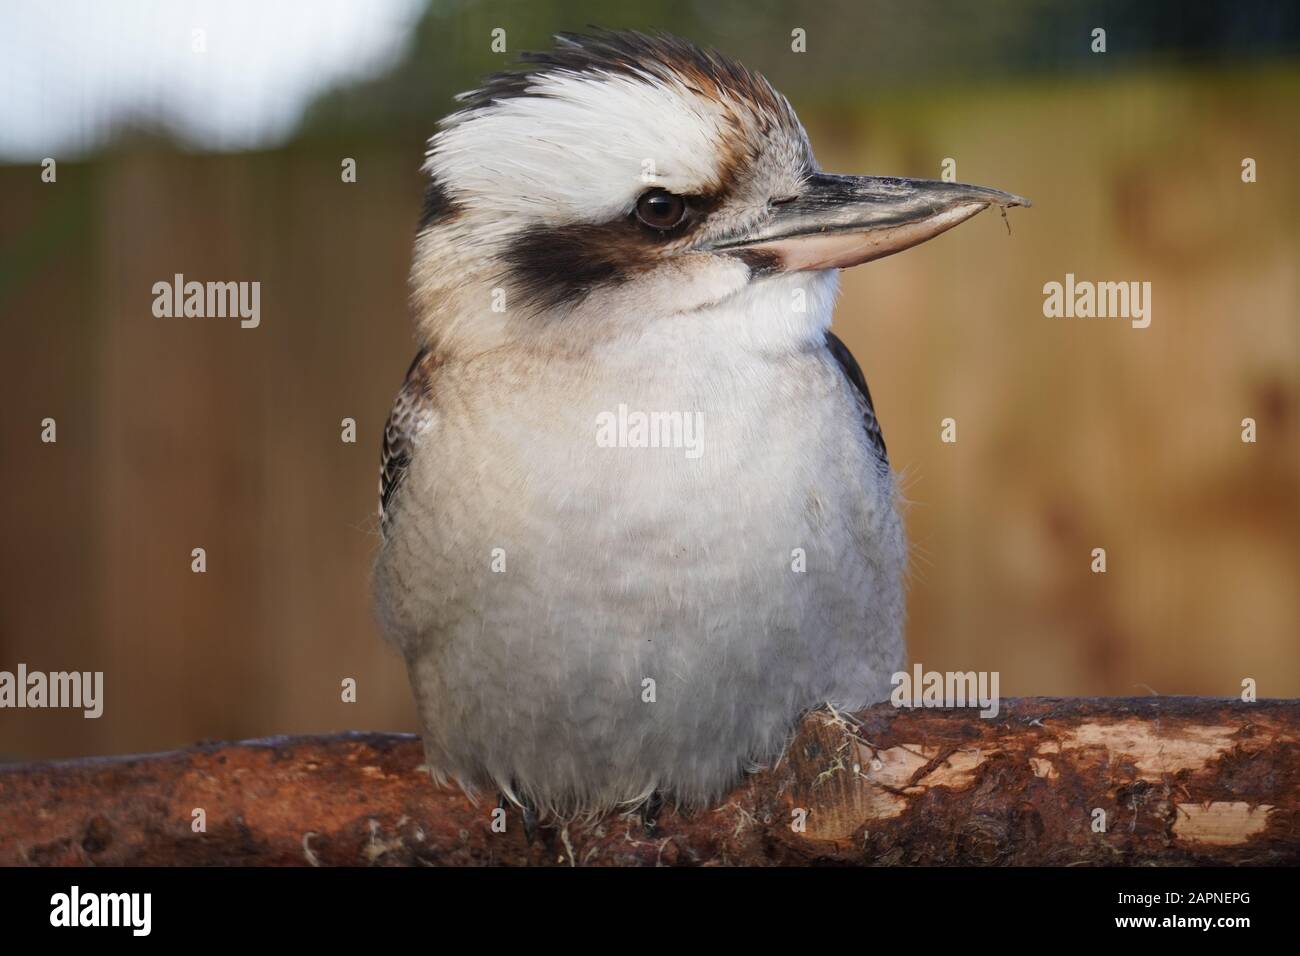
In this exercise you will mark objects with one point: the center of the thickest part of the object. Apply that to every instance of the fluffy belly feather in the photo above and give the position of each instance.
(584, 624)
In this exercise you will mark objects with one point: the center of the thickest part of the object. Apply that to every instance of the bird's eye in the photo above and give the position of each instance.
(660, 209)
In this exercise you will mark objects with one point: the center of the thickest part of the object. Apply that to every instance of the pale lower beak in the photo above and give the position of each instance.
(841, 221)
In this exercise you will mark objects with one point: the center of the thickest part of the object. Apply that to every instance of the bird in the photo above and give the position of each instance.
(636, 510)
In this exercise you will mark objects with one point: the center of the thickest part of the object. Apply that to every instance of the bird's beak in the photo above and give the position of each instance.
(841, 221)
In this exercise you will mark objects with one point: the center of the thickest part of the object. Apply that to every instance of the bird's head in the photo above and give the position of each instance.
(638, 175)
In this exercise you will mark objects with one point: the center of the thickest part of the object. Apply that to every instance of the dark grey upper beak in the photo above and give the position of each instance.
(840, 221)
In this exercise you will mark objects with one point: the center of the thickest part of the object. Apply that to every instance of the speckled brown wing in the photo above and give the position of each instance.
(410, 415)
(853, 372)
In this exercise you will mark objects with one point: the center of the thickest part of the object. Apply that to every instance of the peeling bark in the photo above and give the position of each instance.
(1176, 780)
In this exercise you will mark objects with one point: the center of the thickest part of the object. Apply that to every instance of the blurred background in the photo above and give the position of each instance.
(207, 139)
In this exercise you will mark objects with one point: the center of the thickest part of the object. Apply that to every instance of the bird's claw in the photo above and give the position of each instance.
(527, 811)
(650, 812)
(530, 822)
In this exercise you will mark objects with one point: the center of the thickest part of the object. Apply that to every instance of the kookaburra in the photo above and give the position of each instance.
(631, 229)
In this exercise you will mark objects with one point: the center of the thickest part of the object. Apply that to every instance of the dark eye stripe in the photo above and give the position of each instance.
(550, 266)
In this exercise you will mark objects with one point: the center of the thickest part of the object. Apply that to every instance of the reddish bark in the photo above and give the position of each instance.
(1179, 780)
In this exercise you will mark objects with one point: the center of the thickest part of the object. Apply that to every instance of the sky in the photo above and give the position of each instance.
(219, 74)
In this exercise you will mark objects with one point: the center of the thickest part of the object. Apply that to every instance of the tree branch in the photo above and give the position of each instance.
(1174, 780)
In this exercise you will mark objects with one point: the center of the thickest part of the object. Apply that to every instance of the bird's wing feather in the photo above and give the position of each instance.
(853, 372)
(410, 415)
